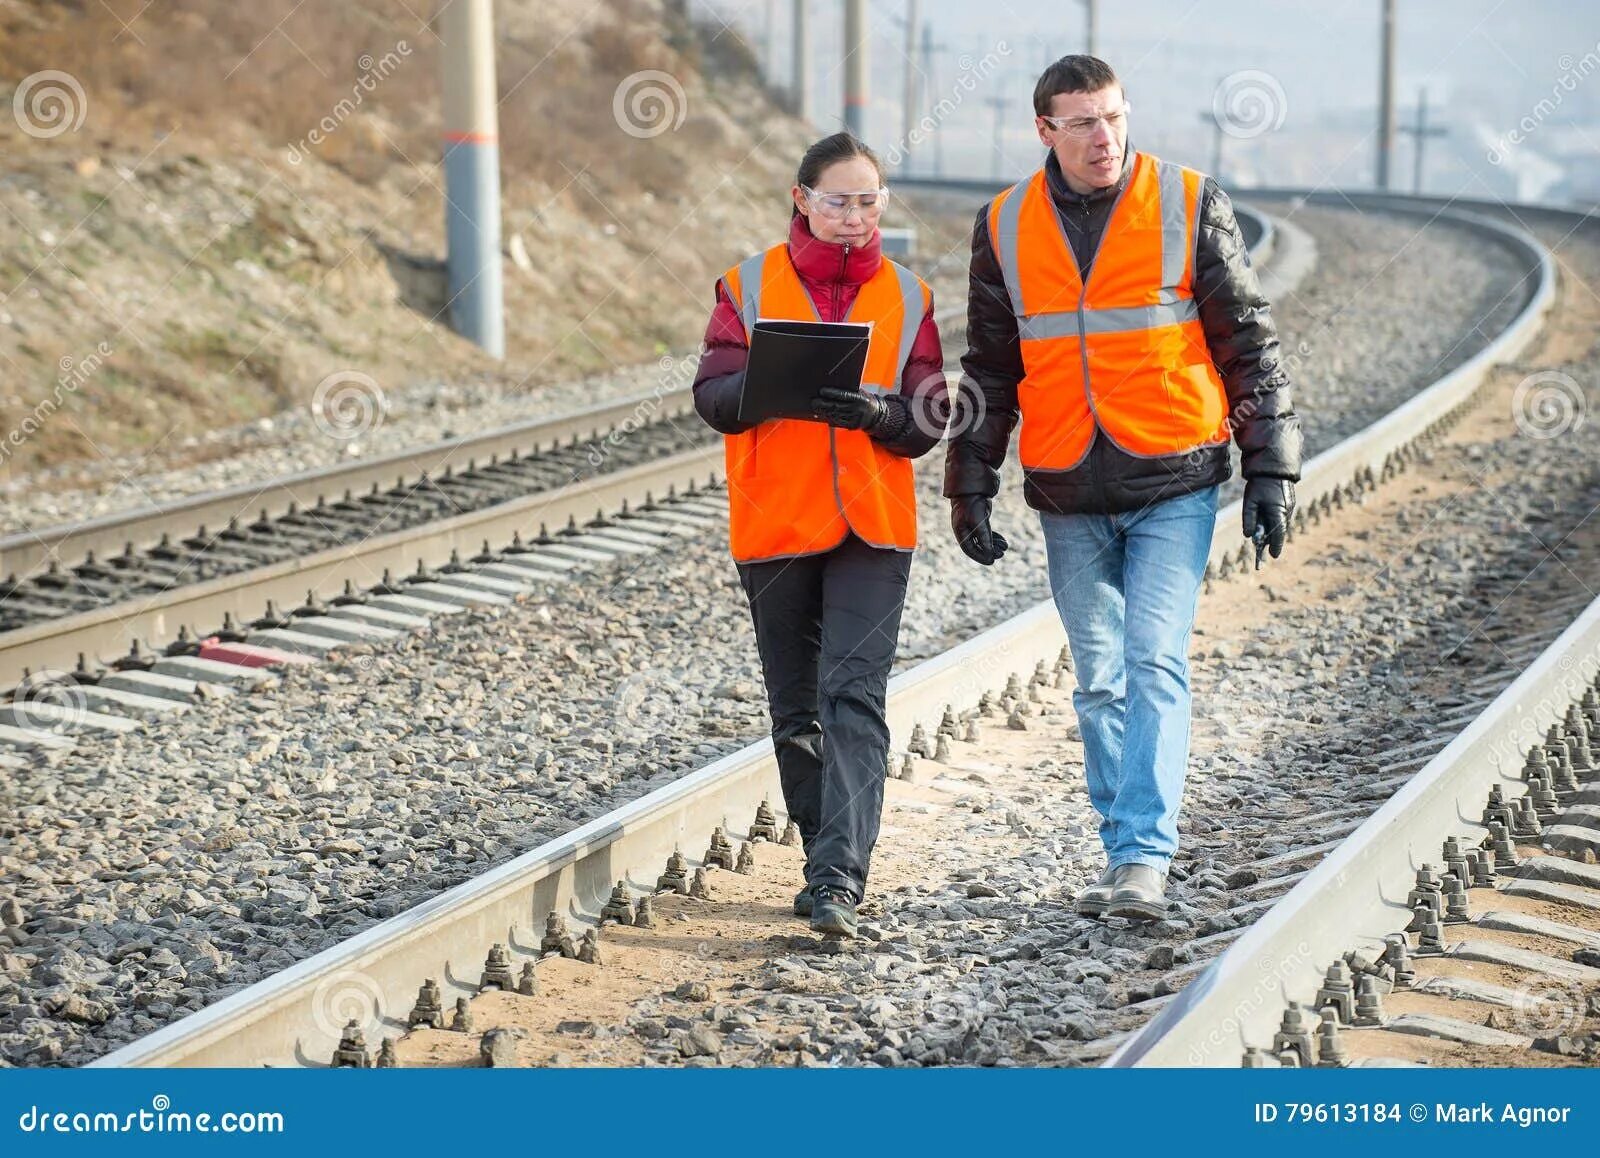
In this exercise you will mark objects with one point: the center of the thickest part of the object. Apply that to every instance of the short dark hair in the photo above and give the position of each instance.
(838, 147)
(1079, 73)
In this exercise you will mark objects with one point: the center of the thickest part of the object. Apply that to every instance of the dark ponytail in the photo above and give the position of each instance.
(839, 147)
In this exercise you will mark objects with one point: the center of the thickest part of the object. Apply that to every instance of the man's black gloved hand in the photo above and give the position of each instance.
(1268, 507)
(969, 518)
(850, 409)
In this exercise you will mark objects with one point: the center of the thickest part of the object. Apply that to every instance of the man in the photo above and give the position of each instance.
(1114, 308)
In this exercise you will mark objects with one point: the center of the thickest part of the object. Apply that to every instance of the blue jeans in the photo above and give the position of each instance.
(1126, 587)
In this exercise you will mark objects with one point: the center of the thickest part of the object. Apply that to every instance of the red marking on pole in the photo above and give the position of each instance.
(249, 654)
(461, 137)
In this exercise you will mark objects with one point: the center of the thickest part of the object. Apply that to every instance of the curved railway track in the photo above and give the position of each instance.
(490, 932)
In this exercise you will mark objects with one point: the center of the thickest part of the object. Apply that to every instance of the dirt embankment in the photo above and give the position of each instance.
(211, 207)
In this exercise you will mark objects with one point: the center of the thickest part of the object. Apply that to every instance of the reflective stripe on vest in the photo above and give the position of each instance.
(796, 487)
(1124, 351)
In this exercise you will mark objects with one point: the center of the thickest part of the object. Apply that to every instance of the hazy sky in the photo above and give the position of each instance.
(1485, 63)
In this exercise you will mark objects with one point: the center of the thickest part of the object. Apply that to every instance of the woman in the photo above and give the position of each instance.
(822, 512)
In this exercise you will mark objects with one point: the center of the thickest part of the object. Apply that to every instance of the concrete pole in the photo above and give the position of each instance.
(855, 67)
(1420, 137)
(801, 86)
(908, 114)
(1386, 97)
(769, 45)
(998, 104)
(928, 79)
(472, 173)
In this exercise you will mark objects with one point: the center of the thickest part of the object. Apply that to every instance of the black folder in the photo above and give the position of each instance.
(791, 361)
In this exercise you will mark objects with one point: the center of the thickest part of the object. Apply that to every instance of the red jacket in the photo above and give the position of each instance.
(832, 278)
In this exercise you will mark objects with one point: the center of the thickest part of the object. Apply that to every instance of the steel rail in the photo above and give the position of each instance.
(1355, 895)
(285, 1019)
(25, 552)
(55, 644)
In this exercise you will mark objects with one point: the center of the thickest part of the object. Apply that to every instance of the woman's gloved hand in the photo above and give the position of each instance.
(850, 409)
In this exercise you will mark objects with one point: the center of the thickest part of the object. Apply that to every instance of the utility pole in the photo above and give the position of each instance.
(472, 173)
(855, 67)
(769, 46)
(1419, 133)
(930, 81)
(998, 103)
(801, 87)
(1091, 21)
(1386, 97)
(908, 117)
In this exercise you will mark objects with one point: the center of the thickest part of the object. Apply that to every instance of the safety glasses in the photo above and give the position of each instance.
(1084, 126)
(837, 205)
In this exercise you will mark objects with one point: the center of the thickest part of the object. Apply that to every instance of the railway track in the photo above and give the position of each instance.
(133, 629)
(1458, 924)
(253, 558)
(488, 933)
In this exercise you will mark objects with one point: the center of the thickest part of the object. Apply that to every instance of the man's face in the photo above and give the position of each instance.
(1090, 154)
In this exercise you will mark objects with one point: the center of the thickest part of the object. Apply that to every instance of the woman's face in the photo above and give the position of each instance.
(851, 175)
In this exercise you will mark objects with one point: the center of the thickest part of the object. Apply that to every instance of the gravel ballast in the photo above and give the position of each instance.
(147, 877)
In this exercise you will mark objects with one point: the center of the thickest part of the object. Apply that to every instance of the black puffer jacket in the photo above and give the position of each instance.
(1239, 331)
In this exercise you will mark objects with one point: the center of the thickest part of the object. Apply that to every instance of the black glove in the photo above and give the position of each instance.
(850, 409)
(1268, 507)
(969, 518)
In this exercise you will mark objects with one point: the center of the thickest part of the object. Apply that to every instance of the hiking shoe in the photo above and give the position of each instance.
(802, 902)
(1140, 893)
(833, 911)
(1094, 899)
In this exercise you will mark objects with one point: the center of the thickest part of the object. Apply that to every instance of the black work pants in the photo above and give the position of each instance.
(826, 627)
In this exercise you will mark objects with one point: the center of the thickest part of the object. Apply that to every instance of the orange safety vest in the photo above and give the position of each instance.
(797, 487)
(1126, 351)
